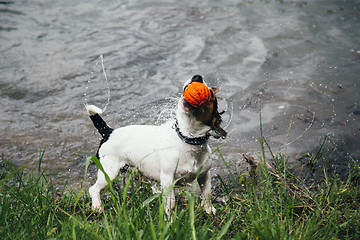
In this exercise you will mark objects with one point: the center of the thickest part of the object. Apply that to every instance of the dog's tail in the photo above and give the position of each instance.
(98, 122)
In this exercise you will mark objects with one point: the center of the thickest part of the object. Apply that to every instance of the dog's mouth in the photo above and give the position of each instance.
(208, 112)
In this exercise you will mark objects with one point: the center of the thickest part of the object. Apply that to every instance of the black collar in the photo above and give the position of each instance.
(188, 140)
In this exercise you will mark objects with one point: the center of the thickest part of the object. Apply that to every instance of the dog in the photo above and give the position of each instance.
(176, 150)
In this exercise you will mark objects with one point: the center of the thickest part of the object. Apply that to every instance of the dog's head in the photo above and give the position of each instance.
(201, 102)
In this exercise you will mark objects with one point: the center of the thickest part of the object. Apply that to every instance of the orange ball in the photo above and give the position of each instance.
(196, 94)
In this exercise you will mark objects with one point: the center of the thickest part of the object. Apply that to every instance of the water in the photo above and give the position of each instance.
(298, 59)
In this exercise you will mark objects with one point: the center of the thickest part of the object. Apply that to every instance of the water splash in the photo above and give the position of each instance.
(94, 77)
(228, 110)
(107, 82)
(168, 111)
(264, 95)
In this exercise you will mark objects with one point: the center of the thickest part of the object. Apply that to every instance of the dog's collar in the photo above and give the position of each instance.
(189, 140)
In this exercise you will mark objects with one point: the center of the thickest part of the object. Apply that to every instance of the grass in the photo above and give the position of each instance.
(270, 202)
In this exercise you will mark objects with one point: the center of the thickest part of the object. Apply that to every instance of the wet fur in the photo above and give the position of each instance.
(158, 152)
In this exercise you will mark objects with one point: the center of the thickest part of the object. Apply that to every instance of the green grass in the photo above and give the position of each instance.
(270, 202)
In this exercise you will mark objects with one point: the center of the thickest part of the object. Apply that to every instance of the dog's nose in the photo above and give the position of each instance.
(197, 78)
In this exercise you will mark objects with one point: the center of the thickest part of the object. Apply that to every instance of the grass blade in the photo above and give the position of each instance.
(78, 198)
(224, 229)
(87, 163)
(191, 214)
(11, 174)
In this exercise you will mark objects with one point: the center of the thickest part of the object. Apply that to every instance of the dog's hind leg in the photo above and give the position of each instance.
(111, 166)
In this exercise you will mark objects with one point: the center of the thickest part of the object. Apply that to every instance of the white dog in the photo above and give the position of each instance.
(174, 150)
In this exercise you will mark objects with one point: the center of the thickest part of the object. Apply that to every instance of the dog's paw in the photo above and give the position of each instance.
(208, 207)
(96, 208)
(155, 189)
(210, 210)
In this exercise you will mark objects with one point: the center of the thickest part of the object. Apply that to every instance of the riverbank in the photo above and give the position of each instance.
(299, 59)
(269, 202)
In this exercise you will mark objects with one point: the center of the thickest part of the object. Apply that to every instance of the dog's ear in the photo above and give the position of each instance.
(216, 116)
(215, 89)
(215, 125)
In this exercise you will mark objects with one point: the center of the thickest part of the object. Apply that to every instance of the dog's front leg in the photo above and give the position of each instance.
(205, 186)
(166, 181)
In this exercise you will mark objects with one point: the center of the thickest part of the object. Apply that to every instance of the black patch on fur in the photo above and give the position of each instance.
(103, 129)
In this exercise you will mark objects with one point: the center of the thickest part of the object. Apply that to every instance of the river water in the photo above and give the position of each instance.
(296, 60)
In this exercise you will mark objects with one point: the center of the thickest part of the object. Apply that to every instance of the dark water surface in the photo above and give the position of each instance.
(299, 59)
